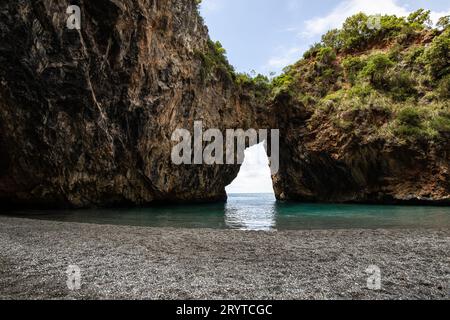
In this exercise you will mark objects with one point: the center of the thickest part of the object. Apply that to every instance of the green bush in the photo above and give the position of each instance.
(409, 124)
(360, 91)
(413, 56)
(409, 117)
(244, 79)
(355, 32)
(408, 131)
(282, 85)
(312, 51)
(326, 55)
(352, 67)
(332, 39)
(361, 30)
(214, 60)
(441, 123)
(376, 67)
(401, 85)
(395, 54)
(444, 22)
(443, 89)
(420, 19)
(437, 56)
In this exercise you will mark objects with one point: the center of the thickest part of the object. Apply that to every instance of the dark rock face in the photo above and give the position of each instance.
(86, 116)
(320, 163)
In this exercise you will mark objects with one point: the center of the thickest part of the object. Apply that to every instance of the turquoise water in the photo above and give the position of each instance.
(259, 212)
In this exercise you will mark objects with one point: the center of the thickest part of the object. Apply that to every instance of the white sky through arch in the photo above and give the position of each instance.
(254, 176)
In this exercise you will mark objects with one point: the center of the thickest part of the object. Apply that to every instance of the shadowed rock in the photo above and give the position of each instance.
(86, 116)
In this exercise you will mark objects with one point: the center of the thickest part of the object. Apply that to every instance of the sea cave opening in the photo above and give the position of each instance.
(254, 176)
(251, 201)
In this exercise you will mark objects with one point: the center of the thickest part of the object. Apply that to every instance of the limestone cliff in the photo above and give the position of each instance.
(365, 115)
(86, 116)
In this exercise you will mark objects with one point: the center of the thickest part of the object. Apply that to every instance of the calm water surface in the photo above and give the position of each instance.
(259, 212)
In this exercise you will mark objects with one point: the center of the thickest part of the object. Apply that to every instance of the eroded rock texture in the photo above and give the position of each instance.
(321, 163)
(86, 117)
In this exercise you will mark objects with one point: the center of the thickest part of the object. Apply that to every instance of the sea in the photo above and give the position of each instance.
(257, 212)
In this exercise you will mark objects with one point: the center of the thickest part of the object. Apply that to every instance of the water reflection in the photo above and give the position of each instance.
(304, 216)
(247, 212)
(257, 212)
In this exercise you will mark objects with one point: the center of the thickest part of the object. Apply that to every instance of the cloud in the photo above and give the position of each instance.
(210, 6)
(436, 15)
(320, 25)
(317, 26)
(283, 58)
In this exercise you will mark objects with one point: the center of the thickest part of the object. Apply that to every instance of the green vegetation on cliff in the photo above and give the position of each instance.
(378, 77)
(395, 67)
(215, 62)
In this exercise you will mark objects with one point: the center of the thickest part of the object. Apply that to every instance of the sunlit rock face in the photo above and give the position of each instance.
(86, 116)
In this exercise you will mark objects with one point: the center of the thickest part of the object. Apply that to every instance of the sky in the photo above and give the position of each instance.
(267, 35)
